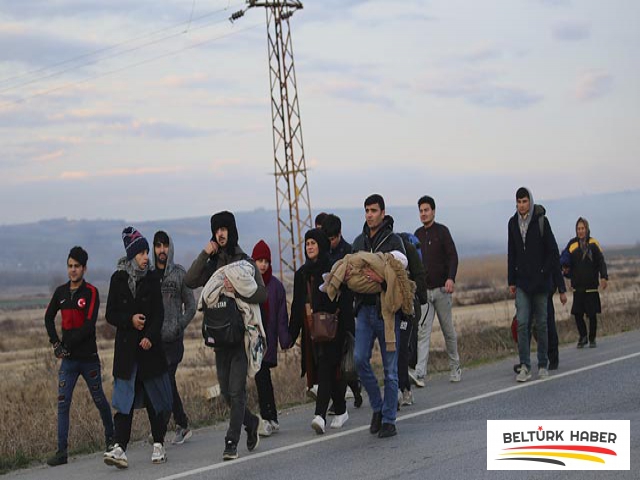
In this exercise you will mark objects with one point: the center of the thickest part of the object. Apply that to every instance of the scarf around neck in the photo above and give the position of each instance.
(134, 272)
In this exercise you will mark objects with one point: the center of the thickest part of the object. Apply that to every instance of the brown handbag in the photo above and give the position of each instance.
(322, 326)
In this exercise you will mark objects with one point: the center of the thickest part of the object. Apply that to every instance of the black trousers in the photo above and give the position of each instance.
(582, 327)
(330, 387)
(266, 396)
(406, 330)
(123, 422)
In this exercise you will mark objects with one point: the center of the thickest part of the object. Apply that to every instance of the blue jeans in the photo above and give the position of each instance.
(68, 375)
(369, 326)
(534, 306)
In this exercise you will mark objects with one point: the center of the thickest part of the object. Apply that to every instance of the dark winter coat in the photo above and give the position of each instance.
(586, 272)
(439, 254)
(275, 321)
(532, 264)
(121, 306)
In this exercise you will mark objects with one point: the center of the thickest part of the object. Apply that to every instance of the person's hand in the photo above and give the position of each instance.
(211, 247)
(145, 343)
(449, 286)
(60, 351)
(563, 298)
(228, 286)
(603, 283)
(138, 321)
(512, 290)
(371, 275)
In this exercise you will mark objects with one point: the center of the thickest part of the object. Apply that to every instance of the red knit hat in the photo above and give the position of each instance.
(261, 251)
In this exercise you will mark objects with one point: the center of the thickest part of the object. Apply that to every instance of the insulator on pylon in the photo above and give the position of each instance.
(286, 15)
(235, 16)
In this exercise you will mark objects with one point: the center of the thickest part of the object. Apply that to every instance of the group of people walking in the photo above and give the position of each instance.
(385, 286)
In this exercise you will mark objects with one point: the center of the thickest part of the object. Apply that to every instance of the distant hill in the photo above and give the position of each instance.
(32, 253)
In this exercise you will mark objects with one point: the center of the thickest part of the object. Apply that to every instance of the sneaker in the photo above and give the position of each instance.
(387, 430)
(357, 399)
(418, 380)
(516, 368)
(455, 375)
(230, 450)
(253, 439)
(109, 443)
(275, 426)
(376, 422)
(524, 374)
(318, 424)
(59, 458)
(407, 398)
(158, 455)
(331, 410)
(582, 342)
(182, 435)
(543, 372)
(339, 420)
(593, 344)
(265, 429)
(116, 457)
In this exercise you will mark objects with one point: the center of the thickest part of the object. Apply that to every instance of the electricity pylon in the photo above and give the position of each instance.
(292, 188)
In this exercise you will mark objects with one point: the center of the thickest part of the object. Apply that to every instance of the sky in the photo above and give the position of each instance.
(153, 110)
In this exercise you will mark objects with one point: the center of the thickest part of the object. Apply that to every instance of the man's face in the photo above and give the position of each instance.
(373, 216)
(312, 249)
(222, 236)
(75, 271)
(522, 204)
(334, 240)
(427, 214)
(263, 265)
(161, 251)
(142, 259)
(581, 230)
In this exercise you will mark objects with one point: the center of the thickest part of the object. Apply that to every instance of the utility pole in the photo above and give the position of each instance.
(290, 170)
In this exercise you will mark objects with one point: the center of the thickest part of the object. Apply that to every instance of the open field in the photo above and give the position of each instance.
(482, 314)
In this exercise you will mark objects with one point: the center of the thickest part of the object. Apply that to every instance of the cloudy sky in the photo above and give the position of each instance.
(148, 110)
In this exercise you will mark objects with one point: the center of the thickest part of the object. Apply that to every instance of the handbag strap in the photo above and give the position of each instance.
(337, 312)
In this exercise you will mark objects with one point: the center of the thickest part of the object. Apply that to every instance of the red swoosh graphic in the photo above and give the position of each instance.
(578, 448)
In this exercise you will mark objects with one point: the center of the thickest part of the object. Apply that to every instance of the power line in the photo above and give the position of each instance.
(111, 47)
(126, 67)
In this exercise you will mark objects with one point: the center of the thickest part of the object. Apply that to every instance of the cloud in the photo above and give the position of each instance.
(26, 9)
(593, 85)
(50, 156)
(355, 91)
(120, 172)
(38, 48)
(480, 89)
(571, 30)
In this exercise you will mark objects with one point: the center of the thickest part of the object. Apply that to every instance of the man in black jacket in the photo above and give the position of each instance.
(231, 362)
(78, 303)
(532, 257)
(377, 236)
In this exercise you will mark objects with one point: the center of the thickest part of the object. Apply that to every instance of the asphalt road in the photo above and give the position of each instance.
(442, 436)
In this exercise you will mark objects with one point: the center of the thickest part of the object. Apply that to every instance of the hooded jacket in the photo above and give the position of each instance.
(175, 294)
(531, 262)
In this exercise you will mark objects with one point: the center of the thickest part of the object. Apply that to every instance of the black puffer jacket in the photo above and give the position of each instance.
(121, 306)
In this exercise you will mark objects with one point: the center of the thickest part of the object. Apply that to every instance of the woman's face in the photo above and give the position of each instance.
(581, 230)
(312, 249)
(142, 259)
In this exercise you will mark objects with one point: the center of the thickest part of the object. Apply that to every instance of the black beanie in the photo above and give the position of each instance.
(134, 242)
(227, 220)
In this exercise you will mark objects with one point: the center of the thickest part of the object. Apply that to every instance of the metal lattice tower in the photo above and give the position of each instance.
(292, 188)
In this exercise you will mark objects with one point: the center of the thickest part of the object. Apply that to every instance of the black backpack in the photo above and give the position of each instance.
(223, 325)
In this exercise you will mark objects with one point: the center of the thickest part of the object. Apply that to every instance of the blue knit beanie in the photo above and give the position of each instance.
(134, 242)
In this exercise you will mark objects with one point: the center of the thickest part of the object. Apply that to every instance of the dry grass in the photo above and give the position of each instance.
(29, 369)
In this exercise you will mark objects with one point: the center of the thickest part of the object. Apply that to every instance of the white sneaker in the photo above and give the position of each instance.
(116, 457)
(158, 455)
(318, 424)
(264, 428)
(543, 372)
(275, 426)
(348, 393)
(407, 398)
(339, 420)
(524, 374)
(455, 375)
